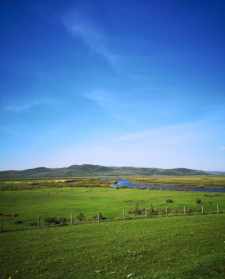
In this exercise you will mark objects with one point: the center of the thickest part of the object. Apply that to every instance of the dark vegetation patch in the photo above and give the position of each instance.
(71, 181)
(208, 268)
(169, 201)
(56, 221)
(81, 217)
(18, 222)
(212, 195)
(10, 215)
(99, 216)
(199, 201)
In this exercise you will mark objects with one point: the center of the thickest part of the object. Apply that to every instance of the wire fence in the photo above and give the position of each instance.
(14, 222)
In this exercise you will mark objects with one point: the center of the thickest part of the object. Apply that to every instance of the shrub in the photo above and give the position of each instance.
(151, 211)
(169, 201)
(18, 222)
(81, 217)
(189, 210)
(198, 201)
(100, 216)
(34, 224)
(137, 210)
(62, 221)
(56, 221)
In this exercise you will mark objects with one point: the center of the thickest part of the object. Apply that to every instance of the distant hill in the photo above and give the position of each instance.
(96, 170)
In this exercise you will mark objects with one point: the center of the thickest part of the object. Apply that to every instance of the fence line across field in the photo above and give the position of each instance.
(137, 213)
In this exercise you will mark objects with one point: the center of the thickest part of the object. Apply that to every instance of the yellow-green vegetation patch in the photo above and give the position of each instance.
(195, 180)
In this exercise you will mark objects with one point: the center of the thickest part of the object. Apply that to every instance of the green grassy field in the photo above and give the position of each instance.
(29, 204)
(190, 246)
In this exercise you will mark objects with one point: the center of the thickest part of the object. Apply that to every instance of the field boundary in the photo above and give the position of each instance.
(13, 223)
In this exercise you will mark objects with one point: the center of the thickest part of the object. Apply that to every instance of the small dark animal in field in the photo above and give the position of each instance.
(169, 201)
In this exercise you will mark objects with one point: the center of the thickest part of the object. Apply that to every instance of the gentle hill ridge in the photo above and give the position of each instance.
(95, 170)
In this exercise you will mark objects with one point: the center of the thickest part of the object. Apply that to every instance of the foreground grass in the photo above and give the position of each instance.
(164, 248)
(190, 247)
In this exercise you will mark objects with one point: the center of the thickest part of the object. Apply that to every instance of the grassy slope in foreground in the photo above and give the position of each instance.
(176, 247)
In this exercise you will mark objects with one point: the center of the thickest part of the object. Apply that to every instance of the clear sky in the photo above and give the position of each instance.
(138, 83)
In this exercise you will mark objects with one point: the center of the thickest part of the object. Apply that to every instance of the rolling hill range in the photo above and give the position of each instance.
(95, 170)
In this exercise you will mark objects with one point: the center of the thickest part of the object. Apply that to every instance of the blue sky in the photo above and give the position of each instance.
(138, 83)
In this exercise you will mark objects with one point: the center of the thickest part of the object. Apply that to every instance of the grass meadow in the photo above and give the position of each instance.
(173, 247)
(189, 247)
(48, 202)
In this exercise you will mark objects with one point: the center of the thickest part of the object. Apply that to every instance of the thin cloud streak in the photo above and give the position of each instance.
(82, 27)
(184, 145)
(107, 102)
(24, 107)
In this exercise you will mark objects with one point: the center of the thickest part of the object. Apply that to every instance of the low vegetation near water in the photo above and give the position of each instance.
(21, 184)
(192, 180)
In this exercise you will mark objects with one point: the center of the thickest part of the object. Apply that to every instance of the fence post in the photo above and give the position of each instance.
(202, 207)
(98, 218)
(166, 211)
(124, 215)
(146, 212)
(39, 221)
(184, 210)
(71, 218)
(217, 208)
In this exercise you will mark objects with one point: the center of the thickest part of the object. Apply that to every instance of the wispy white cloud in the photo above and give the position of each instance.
(81, 26)
(107, 101)
(185, 145)
(168, 135)
(29, 105)
(102, 98)
(20, 107)
(193, 145)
